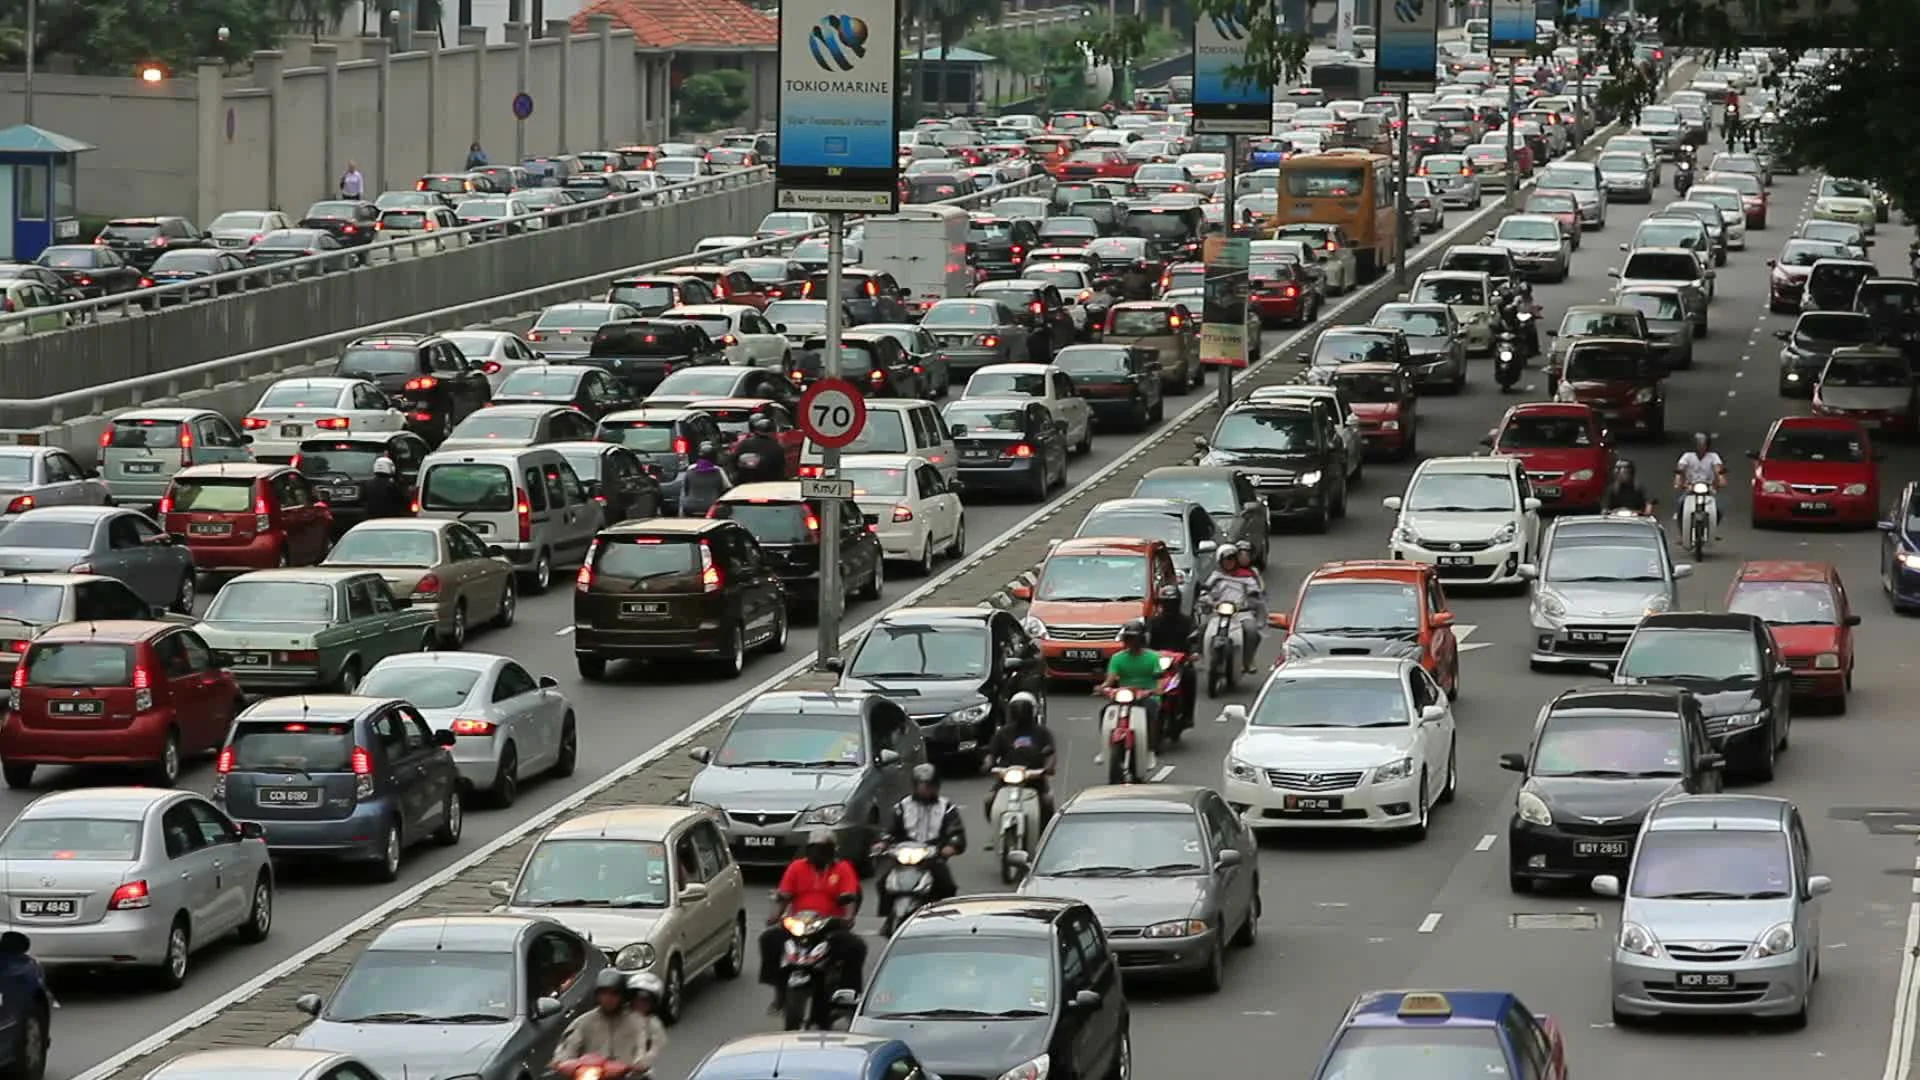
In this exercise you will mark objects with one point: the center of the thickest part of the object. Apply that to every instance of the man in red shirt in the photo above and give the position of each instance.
(820, 882)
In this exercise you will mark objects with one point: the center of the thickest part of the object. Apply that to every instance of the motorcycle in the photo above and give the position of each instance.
(1122, 731)
(1176, 695)
(595, 1067)
(909, 883)
(1682, 176)
(1697, 510)
(808, 966)
(1016, 806)
(1226, 648)
(1507, 365)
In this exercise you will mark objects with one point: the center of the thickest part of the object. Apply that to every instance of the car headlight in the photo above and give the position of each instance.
(1580, 476)
(1178, 928)
(1644, 397)
(1240, 770)
(1638, 940)
(1506, 534)
(829, 814)
(1909, 559)
(1550, 605)
(1776, 941)
(1772, 487)
(1854, 489)
(1738, 721)
(1032, 1069)
(1658, 604)
(1308, 479)
(1034, 627)
(635, 957)
(1827, 661)
(1532, 809)
(1393, 770)
(1404, 535)
(1389, 425)
(972, 714)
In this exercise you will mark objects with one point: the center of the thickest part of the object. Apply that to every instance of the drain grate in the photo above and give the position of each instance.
(1554, 920)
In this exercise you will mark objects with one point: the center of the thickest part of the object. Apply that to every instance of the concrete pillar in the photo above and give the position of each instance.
(521, 35)
(269, 74)
(561, 31)
(602, 30)
(475, 39)
(379, 50)
(212, 127)
(402, 27)
(666, 97)
(430, 45)
(327, 58)
(645, 134)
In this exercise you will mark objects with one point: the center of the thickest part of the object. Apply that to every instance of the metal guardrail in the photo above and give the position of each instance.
(23, 414)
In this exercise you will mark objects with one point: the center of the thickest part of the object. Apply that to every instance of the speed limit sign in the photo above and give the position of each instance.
(832, 413)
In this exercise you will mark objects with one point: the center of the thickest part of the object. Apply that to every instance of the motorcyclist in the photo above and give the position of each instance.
(1171, 629)
(1700, 465)
(1625, 492)
(619, 1028)
(1235, 581)
(1526, 332)
(760, 456)
(1136, 667)
(1025, 742)
(926, 817)
(822, 882)
(704, 482)
(381, 493)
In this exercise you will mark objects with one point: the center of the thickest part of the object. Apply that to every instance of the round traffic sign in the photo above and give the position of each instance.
(832, 413)
(523, 105)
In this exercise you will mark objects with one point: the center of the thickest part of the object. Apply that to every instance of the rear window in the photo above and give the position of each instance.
(853, 358)
(466, 486)
(276, 746)
(146, 435)
(667, 561)
(379, 360)
(491, 424)
(50, 535)
(635, 341)
(1006, 384)
(572, 318)
(300, 397)
(72, 840)
(643, 296)
(31, 603)
(1158, 226)
(130, 232)
(403, 219)
(318, 458)
(1324, 182)
(645, 436)
(331, 210)
(539, 382)
(79, 663)
(436, 687)
(883, 434)
(1137, 323)
(212, 496)
(772, 522)
(989, 231)
(68, 257)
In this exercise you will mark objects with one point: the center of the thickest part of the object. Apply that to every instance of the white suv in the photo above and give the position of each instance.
(1473, 517)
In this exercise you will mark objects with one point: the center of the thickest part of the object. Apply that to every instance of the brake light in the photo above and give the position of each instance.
(523, 512)
(350, 229)
(491, 367)
(1466, 170)
(159, 241)
(255, 238)
(729, 340)
(224, 763)
(252, 423)
(709, 572)
(142, 689)
(1333, 245)
(19, 683)
(166, 504)
(1019, 450)
(186, 447)
(8, 306)
(1036, 307)
(297, 656)
(129, 897)
(1175, 321)
(813, 522)
(379, 226)
(85, 280)
(362, 763)
(428, 586)
(534, 335)
(424, 382)
(472, 727)
(989, 341)
(903, 513)
(1019, 250)
(332, 423)
(680, 444)
(21, 504)
(876, 377)
(106, 437)
(262, 514)
(20, 646)
(806, 290)
(810, 471)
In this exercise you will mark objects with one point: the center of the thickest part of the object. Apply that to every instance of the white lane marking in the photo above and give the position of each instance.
(1427, 924)
(1906, 994)
(1486, 842)
(1462, 632)
(1160, 774)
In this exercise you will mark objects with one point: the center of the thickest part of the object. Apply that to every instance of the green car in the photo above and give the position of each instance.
(311, 629)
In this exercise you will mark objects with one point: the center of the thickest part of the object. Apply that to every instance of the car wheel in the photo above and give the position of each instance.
(1423, 813)
(924, 566)
(187, 593)
(455, 636)
(876, 581)
(172, 972)
(506, 779)
(541, 576)
(260, 914)
(386, 863)
(165, 772)
(674, 992)
(1452, 787)
(592, 668)
(349, 679)
(735, 961)
(569, 756)
(509, 605)
(19, 776)
(734, 660)
(959, 546)
(452, 818)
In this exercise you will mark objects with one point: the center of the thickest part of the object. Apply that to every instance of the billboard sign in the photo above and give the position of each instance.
(839, 121)
(1222, 103)
(1408, 49)
(1223, 320)
(1510, 29)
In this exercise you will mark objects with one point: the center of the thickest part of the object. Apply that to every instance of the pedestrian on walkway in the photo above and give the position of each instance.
(476, 157)
(353, 183)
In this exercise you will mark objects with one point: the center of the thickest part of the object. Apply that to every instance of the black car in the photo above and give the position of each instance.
(1173, 232)
(872, 295)
(1732, 665)
(953, 668)
(287, 245)
(616, 478)
(1040, 308)
(788, 529)
(1894, 306)
(876, 363)
(1342, 345)
(437, 385)
(1008, 445)
(1601, 757)
(55, 284)
(997, 246)
(642, 352)
(176, 267)
(949, 957)
(1809, 345)
(778, 278)
(91, 270)
(1228, 496)
(1068, 232)
(1106, 213)
(339, 470)
(350, 221)
(1292, 454)
(1130, 262)
(589, 389)
(140, 240)
(1120, 382)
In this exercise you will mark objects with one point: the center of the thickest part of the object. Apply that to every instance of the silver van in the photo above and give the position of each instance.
(897, 426)
(142, 449)
(527, 500)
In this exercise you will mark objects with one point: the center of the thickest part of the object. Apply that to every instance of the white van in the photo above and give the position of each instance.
(527, 500)
(897, 427)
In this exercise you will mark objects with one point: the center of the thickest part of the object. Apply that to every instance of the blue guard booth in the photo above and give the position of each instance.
(37, 172)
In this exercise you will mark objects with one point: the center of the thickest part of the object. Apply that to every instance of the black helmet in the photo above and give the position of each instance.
(706, 451)
(1023, 709)
(611, 979)
(1134, 633)
(761, 424)
(1168, 594)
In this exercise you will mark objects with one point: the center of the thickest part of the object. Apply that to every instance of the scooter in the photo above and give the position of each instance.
(807, 967)
(1682, 176)
(909, 883)
(1123, 732)
(1507, 365)
(1697, 510)
(1016, 806)
(1226, 648)
(1176, 696)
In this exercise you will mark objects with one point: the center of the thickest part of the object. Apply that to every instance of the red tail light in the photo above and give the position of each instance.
(379, 226)
(1036, 307)
(21, 646)
(1290, 291)
(350, 229)
(876, 377)
(810, 471)
(362, 762)
(472, 727)
(262, 514)
(491, 367)
(21, 504)
(424, 382)
(8, 306)
(166, 504)
(159, 241)
(523, 513)
(583, 581)
(534, 335)
(1020, 450)
(256, 238)
(142, 689)
(106, 437)
(680, 445)
(428, 586)
(710, 580)
(333, 423)
(1175, 321)
(989, 341)
(224, 763)
(252, 423)
(729, 340)
(85, 280)
(129, 897)
(903, 513)
(186, 446)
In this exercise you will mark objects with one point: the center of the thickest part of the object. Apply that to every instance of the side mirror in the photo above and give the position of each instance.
(1393, 502)
(1613, 272)
(1200, 442)
(1624, 247)
(1227, 857)
(700, 754)
(1206, 547)
(446, 738)
(1710, 762)
(693, 893)
(835, 664)
(1433, 714)
(246, 440)
(252, 830)
(1086, 999)
(1606, 885)
(1681, 570)
(779, 328)
(547, 1008)
(1528, 572)
(500, 890)
(1021, 591)
(1532, 504)
(1232, 714)
(1442, 619)
(1303, 357)
(1819, 885)
(1021, 859)
(1487, 440)
(309, 1004)
(844, 999)
(1279, 620)
(889, 757)
(495, 551)
(1513, 762)
(1404, 297)
(1852, 620)
(1553, 333)
(1772, 263)
(1783, 335)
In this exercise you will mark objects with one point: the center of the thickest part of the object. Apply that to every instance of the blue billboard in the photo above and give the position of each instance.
(839, 121)
(1407, 51)
(1223, 103)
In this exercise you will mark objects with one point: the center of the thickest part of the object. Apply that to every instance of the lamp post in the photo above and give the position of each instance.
(33, 32)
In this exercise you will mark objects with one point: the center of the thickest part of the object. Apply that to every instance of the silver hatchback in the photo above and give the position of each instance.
(1596, 579)
(1720, 913)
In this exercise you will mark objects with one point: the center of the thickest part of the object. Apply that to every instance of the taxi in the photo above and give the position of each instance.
(1086, 590)
(1374, 607)
(1806, 606)
(1444, 1033)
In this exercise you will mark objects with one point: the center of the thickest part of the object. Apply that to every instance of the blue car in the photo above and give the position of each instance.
(1443, 1033)
(26, 1007)
(810, 1055)
(1900, 550)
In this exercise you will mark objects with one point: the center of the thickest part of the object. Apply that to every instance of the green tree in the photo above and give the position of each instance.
(711, 99)
(114, 37)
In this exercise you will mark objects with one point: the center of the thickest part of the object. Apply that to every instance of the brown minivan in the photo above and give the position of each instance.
(667, 588)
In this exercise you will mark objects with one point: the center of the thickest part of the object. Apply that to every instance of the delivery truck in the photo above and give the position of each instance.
(924, 248)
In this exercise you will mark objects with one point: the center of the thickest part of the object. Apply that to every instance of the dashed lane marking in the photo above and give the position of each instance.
(1486, 842)
(1430, 923)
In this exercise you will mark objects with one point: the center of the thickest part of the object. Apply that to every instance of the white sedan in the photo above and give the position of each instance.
(745, 336)
(1470, 516)
(915, 512)
(293, 410)
(1044, 383)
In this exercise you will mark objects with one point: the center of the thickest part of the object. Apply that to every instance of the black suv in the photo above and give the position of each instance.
(872, 295)
(1290, 451)
(140, 240)
(1040, 308)
(1731, 663)
(957, 716)
(876, 363)
(434, 381)
(997, 246)
(350, 221)
(788, 529)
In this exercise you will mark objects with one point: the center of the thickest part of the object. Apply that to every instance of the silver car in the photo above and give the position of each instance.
(1183, 526)
(1596, 579)
(498, 352)
(133, 876)
(1454, 180)
(651, 886)
(1720, 914)
(238, 229)
(1628, 175)
(1583, 179)
(564, 331)
(507, 725)
(1671, 312)
(105, 540)
(512, 425)
(33, 476)
(480, 996)
(263, 1063)
(1540, 250)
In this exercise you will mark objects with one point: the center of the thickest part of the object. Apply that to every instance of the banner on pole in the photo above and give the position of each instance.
(1223, 319)
(1510, 29)
(839, 113)
(1408, 51)
(1224, 104)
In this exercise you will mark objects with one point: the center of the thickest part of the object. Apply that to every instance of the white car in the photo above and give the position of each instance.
(1330, 248)
(1733, 211)
(1346, 422)
(914, 510)
(896, 426)
(744, 335)
(720, 243)
(498, 352)
(293, 410)
(1044, 383)
(1469, 293)
(1342, 742)
(508, 726)
(565, 331)
(1473, 517)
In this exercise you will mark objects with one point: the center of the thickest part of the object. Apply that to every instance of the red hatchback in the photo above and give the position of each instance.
(144, 694)
(1563, 448)
(246, 517)
(1806, 607)
(1816, 469)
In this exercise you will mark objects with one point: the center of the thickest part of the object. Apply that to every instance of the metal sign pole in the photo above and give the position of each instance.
(1403, 206)
(831, 597)
(1513, 175)
(1230, 219)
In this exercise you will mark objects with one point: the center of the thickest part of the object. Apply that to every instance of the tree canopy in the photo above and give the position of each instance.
(117, 37)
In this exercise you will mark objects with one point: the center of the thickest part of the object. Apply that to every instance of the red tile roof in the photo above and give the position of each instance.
(674, 24)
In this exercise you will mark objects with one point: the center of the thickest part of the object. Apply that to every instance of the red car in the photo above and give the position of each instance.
(246, 517)
(116, 693)
(1097, 163)
(1621, 379)
(1806, 607)
(1787, 273)
(1281, 293)
(1817, 469)
(1753, 194)
(1383, 397)
(1563, 448)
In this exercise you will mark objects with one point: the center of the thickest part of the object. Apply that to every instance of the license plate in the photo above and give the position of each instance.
(643, 607)
(249, 659)
(1547, 492)
(1314, 804)
(76, 708)
(202, 528)
(350, 492)
(976, 455)
(484, 528)
(289, 796)
(290, 431)
(756, 841)
(1586, 635)
(47, 909)
(1602, 849)
(1456, 560)
(1083, 654)
(141, 467)
(1814, 507)
(1704, 980)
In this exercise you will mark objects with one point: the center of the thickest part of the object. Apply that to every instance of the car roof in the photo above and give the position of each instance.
(245, 1063)
(1368, 667)
(665, 526)
(242, 470)
(457, 932)
(1353, 569)
(1154, 504)
(651, 412)
(765, 491)
(318, 382)
(1737, 812)
(883, 461)
(638, 822)
(106, 631)
(1134, 799)
(1001, 915)
(1636, 697)
(1702, 620)
(313, 574)
(111, 803)
(923, 615)
(1578, 409)
(90, 514)
(492, 455)
(335, 708)
(520, 410)
(1784, 570)
(1220, 472)
(810, 702)
(1465, 1008)
(1484, 465)
(1016, 369)
(804, 1054)
(1103, 545)
(166, 414)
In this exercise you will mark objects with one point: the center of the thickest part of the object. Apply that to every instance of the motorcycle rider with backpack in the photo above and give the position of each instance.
(705, 481)
(759, 456)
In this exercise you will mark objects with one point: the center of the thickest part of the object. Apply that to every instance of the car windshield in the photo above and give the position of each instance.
(1844, 328)
(1712, 864)
(1534, 432)
(1331, 702)
(1461, 493)
(1324, 181)
(1628, 163)
(596, 872)
(425, 685)
(1214, 493)
(1669, 232)
(1358, 607)
(375, 546)
(1335, 348)
(398, 986)
(48, 535)
(539, 382)
(1600, 556)
(33, 604)
(1414, 321)
(1786, 603)
(1792, 444)
(1888, 298)
(1657, 653)
(49, 839)
(1426, 1051)
(493, 424)
(974, 977)
(1451, 291)
(783, 740)
(1093, 578)
(1141, 524)
(1265, 432)
(1600, 364)
(792, 313)
(1004, 384)
(1834, 187)
(1605, 744)
(303, 745)
(1511, 229)
(1661, 306)
(1867, 371)
(1099, 845)
(1138, 322)
(962, 314)
(922, 651)
(242, 601)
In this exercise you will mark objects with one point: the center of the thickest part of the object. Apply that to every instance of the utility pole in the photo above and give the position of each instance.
(1230, 219)
(1403, 206)
(832, 594)
(1513, 174)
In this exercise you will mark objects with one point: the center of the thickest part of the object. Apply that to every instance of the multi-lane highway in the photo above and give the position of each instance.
(1340, 915)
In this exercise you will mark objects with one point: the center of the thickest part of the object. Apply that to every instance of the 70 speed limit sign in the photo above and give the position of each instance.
(832, 413)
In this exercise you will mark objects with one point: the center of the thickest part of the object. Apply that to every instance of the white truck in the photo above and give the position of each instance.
(924, 248)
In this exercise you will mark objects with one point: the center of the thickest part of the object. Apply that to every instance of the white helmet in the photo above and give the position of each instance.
(646, 982)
